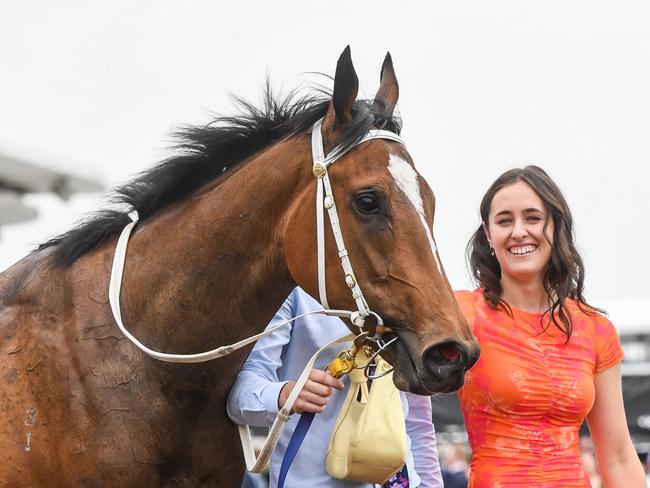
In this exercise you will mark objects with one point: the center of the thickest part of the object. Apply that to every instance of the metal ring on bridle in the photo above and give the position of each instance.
(382, 347)
(376, 376)
(358, 320)
(357, 315)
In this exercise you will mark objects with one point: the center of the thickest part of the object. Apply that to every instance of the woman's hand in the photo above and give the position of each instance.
(315, 394)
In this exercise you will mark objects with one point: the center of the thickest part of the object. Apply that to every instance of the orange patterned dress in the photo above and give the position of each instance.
(526, 397)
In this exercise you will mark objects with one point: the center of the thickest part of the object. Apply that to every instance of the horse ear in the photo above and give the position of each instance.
(388, 92)
(346, 86)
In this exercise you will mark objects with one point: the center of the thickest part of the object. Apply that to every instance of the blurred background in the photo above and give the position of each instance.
(91, 92)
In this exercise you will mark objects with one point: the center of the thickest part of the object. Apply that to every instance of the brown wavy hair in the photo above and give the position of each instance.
(564, 275)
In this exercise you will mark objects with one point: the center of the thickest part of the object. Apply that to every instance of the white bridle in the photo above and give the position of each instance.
(320, 165)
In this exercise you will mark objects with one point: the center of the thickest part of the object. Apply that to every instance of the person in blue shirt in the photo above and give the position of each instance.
(269, 374)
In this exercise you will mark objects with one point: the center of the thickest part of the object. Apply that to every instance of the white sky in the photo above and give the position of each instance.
(97, 88)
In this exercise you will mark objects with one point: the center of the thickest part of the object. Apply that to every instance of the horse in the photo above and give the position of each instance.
(226, 230)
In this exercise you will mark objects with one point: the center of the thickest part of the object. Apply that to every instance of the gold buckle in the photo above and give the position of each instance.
(319, 170)
(345, 361)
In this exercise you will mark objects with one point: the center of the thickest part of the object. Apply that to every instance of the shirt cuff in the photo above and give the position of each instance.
(270, 396)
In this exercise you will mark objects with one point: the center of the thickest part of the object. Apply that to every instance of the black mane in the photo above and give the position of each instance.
(206, 153)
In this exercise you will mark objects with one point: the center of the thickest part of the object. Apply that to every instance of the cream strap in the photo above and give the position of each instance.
(114, 299)
(258, 464)
(325, 199)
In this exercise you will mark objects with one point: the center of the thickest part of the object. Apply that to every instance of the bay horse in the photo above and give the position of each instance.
(226, 230)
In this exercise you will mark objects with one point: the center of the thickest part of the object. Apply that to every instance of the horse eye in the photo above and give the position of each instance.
(367, 203)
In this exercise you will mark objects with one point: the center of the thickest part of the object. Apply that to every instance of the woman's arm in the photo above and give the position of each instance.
(618, 462)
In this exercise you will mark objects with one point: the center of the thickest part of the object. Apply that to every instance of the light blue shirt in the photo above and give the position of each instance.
(281, 357)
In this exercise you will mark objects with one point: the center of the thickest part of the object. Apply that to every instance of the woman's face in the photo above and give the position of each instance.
(515, 230)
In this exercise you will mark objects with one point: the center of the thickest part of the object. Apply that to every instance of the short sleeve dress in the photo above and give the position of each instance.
(527, 396)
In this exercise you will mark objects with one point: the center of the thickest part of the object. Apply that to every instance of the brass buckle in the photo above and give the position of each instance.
(345, 360)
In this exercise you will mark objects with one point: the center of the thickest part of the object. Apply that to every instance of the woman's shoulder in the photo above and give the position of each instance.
(590, 320)
(465, 298)
(469, 296)
(594, 324)
(469, 301)
(587, 313)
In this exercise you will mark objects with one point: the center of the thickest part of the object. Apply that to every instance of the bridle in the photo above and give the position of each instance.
(324, 200)
(320, 164)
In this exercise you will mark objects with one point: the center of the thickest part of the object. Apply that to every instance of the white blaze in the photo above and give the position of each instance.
(406, 179)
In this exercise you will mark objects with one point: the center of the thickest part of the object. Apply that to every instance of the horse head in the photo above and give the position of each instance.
(386, 212)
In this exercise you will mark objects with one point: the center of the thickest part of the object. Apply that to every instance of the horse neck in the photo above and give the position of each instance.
(211, 270)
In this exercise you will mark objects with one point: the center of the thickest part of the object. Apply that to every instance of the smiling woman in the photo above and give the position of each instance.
(520, 234)
(526, 240)
(548, 359)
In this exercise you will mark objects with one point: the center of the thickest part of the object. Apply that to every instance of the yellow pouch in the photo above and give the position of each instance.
(368, 443)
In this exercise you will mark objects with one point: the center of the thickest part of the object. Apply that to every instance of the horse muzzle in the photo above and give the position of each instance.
(440, 368)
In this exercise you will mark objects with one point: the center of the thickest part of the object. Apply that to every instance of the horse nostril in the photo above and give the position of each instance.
(448, 353)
